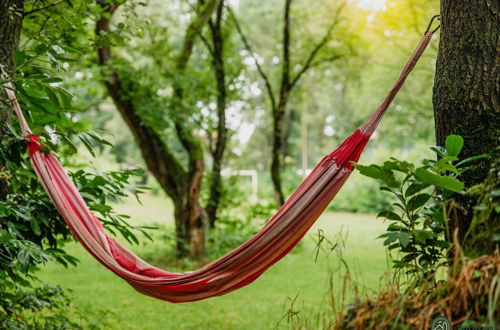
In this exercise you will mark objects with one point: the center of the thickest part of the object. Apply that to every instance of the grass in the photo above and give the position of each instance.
(261, 305)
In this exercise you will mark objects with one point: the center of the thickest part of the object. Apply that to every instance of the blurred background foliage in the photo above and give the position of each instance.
(372, 44)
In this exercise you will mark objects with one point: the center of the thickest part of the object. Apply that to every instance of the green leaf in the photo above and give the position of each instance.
(409, 257)
(19, 58)
(394, 227)
(397, 165)
(35, 226)
(52, 96)
(379, 173)
(414, 188)
(24, 257)
(87, 144)
(445, 164)
(440, 151)
(41, 48)
(454, 144)
(418, 201)
(470, 159)
(447, 159)
(70, 143)
(447, 167)
(53, 80)
(372, 171)
(446, 182)
(389, 215)
(422, 235)
(403, 238)
(57, 49)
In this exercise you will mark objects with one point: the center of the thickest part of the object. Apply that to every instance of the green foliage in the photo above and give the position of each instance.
(31, 230)
(238, 220)
(483, 234)
(418, 229)
(44, 307)
(101, 190)
(361, 196)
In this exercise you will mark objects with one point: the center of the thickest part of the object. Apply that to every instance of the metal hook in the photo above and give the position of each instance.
(435, 17)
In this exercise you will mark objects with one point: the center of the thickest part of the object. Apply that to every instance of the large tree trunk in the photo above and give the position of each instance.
(466, 92)
(10, 30)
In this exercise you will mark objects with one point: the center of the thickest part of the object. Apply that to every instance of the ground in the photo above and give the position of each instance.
(260, 305)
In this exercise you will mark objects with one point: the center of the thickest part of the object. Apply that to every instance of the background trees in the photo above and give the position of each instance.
(168, 101)
(192, 92)
(188, 87)
(291, 72)
(181, 183)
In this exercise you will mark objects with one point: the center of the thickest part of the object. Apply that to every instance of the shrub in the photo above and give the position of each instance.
(419, 225)
(31, 230)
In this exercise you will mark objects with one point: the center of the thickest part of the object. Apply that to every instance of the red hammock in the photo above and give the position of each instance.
(239, 267)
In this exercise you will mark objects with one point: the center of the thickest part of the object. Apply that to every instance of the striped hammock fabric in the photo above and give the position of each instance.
(239, 267)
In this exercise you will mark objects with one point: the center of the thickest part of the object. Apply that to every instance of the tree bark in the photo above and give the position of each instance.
(222, 132)
(11, 13)
(183, 186)
(466, 90)
(280, 110)
(196, 214)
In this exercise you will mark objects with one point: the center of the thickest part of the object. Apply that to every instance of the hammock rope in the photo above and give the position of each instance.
(244, 264)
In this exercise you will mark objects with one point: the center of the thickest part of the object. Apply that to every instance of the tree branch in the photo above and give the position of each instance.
(35, 10)
(248, 47)
(192, 32)
(285, 68)
(312, 56)
(189, 141)
(328, 59)
(218, 150)
(207, 44)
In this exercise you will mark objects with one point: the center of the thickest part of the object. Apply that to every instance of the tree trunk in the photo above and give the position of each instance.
(10, 31)
(280, 110)
(277, 151)
(221, 140)
(466, 91)
(183, 186)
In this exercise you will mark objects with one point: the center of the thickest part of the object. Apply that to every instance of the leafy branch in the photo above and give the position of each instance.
(418, 230)
(50, 5)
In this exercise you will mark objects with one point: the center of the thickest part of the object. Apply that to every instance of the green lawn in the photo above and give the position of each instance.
(260, 305)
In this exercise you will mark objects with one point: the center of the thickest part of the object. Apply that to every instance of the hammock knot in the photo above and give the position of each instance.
(33, 144)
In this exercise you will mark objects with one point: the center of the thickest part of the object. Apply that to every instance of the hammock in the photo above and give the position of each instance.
(239, 267)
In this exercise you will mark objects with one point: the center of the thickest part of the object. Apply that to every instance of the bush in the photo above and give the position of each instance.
(31, 230)
(419, 218)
